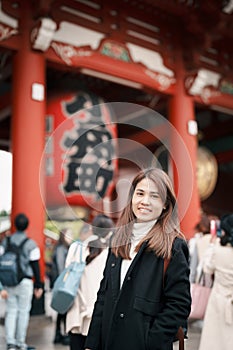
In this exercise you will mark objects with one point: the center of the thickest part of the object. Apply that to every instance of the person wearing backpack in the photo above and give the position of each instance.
(19, 296)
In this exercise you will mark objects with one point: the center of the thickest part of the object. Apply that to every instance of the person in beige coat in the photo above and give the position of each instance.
(197, 247)
(217, 330)
(95, 253)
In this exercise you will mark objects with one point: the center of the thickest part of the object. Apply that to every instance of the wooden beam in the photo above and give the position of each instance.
(221, 100)
(218, 129)
(224, 157)
(5, 100)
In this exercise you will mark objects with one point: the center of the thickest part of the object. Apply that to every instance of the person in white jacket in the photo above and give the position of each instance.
(217, 330)
(95, 252)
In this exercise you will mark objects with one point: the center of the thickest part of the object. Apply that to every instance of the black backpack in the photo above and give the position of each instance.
(10, 268)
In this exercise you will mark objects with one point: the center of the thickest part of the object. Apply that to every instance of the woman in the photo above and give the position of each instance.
(58, 265)
(139, 305)
(217, 332)
(197, 247)
(95, 253)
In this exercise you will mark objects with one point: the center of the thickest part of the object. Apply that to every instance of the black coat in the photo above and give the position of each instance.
(143, 315)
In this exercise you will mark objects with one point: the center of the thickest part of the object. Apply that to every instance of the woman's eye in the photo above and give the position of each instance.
(140, 194)
(155, 196)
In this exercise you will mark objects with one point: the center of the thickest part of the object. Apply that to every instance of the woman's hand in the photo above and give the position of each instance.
(4, 294)
(38, 292)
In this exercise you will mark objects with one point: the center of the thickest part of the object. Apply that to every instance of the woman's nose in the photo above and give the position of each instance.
(145, 200)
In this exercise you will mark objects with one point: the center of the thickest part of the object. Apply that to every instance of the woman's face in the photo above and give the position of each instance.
(146, 202)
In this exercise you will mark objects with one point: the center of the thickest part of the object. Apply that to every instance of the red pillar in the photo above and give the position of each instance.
(184, 153)
(28, 132)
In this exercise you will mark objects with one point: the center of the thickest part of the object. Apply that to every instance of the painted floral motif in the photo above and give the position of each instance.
(115, 50)
(226, 87)
(67, 52)
(164, 81)
(208, 93)
(6, 32)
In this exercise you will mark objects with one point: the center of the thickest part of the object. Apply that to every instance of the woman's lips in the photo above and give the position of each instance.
(144, 210)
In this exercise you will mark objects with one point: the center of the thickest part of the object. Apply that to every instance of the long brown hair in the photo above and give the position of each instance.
(160, 238)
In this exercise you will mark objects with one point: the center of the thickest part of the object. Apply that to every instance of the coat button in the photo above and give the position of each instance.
(128, 278)
(122, 315)
(113, 264)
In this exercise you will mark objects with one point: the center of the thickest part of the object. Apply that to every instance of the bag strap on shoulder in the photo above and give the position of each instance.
(165, 266)
(8, 242)
(23, 242)
(78, 244)
(14, 247)
(81, 252)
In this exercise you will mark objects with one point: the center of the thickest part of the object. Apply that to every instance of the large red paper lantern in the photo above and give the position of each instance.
(80, 150)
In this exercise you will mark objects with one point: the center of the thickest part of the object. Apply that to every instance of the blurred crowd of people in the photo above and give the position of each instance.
(211, 253)
(123, 281)
(129, 274)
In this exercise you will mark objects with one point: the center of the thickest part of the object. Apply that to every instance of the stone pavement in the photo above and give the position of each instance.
(41, 333)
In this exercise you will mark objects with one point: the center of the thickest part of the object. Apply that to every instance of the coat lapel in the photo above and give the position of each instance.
(115, 276)
(116, 271)
(134, 262)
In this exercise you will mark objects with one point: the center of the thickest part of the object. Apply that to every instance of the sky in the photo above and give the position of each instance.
(5, 180)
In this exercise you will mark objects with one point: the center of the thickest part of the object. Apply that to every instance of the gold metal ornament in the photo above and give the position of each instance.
(207, 172)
